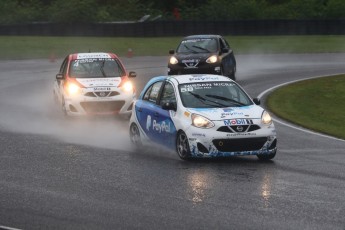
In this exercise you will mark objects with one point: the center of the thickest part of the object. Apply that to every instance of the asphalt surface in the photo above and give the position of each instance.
(58, 173)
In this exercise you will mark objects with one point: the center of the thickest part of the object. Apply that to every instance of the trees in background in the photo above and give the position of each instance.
(20, 11)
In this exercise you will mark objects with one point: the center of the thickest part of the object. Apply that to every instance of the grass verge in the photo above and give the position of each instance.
(28, 47)
(316, 104)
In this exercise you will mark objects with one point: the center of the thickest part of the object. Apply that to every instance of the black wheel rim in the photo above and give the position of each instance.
(135, 135)
(182, 145)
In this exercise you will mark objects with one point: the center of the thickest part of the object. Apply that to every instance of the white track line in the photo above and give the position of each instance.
(294, 126)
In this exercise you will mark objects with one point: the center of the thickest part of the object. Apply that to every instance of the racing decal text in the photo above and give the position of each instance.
(238, 122)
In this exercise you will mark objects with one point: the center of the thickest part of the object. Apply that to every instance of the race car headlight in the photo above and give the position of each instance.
(201, 122)
(127, 86)
(266, 118)
(173, 61)
(72, 88)
(212, 59)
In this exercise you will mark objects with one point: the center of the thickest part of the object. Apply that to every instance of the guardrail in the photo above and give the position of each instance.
(180, 28)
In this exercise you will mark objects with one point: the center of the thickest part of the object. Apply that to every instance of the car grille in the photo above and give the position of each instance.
(102, 94)
(238, 128)
(102, 107)
(239, 145)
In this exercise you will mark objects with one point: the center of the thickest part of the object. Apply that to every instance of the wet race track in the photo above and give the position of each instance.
(61, 173)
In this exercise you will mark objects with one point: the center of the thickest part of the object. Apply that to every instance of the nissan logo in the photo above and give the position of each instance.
(239, 128)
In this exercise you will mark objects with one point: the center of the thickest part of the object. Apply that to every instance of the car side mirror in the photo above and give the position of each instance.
(59, 76)
(132, 74)
(171, 52)
(257, 101)
(169, 106)
(225, 50)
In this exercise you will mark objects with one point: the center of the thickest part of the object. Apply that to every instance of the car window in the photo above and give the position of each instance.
(63, 68)
(199, 45)
(225, 43)
(213, 95)
(168, 94)
(96, 68)
(152, 93)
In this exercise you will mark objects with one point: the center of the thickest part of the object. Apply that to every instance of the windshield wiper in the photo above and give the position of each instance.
(225, 99)
(102, 70)
(188, 48)
(203, 100)
(199, 47)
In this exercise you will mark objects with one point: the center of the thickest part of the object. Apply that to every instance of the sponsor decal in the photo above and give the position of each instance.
(226, 84)
(240, 134)
(198, 135)
(92, 55)
(204, 78)
(238, 122)
(196, 40)
(102, 89)
(228, 110)
(161, 127)
(148, 123)
(190, 60)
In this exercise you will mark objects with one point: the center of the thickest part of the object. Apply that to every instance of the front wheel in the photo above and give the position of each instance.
(233, 74)
(182, 146)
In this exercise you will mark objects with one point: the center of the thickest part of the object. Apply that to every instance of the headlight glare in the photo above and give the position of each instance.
(72, 88)
(266, 118)
(127, 86)
(212, 59)
(173, 61)
(201, 122)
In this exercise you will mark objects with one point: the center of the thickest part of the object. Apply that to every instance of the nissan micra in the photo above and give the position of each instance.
(202, 116)
(94, 84)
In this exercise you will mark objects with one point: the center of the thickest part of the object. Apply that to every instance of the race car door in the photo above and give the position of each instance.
(165, 124)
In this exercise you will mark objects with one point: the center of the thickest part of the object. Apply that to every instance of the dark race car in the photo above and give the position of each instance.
(205, 54)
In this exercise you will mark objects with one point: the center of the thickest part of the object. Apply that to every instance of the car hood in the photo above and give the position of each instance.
(192, 56)
(252, 111)
(92, 82)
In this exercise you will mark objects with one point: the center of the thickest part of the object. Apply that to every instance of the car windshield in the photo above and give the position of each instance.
(213, 95)
(200, 45)
(95, 68)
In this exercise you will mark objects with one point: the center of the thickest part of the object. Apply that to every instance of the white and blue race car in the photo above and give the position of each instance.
(202, 116)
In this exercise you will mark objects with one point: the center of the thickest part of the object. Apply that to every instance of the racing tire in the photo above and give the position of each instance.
(222, 71)
(64, 110)
(266, 157)
(182, 146)
(134, 136)
(233, 74)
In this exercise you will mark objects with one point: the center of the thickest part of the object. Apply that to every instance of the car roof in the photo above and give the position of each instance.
(202, 36)
(198, 78)
(92, 55)
(185, 78)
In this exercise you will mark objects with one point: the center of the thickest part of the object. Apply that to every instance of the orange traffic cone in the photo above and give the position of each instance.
(130, 53)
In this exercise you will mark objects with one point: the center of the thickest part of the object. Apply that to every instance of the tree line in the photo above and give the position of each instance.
(74, 11)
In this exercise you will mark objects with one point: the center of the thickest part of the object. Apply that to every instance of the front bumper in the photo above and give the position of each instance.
(213, 143)
(201, 69)
(90, 103)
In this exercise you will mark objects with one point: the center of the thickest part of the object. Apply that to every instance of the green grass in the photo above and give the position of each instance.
(317, 104)
(27, 47)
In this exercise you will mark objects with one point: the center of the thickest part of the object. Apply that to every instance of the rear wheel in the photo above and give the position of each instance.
(182, 146)
(134, 135)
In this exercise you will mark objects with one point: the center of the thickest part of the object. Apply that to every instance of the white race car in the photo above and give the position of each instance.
(202, 116)
(94, 84)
